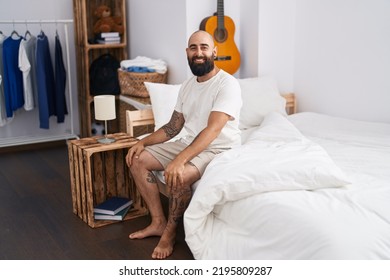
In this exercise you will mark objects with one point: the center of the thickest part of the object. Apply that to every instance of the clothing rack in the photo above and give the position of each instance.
(19, 140)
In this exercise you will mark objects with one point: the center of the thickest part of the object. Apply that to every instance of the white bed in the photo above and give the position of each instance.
(303, 186)
(321, 190)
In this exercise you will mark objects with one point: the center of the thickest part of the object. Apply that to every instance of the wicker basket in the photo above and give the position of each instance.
(132, 83)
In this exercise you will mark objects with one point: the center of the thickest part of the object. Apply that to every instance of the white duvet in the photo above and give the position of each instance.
(307, 187)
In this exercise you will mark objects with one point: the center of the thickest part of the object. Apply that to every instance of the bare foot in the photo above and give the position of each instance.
(151, 230)
(165, 246)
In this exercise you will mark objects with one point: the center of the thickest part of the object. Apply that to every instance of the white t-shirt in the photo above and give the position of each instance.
(196, 101)
(25, 65)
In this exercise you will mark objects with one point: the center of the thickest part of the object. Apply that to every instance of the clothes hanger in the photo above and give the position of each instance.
(27, 32)
(41, 33)
(14, 32)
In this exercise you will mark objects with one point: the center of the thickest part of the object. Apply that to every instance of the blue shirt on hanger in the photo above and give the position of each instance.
(45, 81)
(60, 81)
(13, 77)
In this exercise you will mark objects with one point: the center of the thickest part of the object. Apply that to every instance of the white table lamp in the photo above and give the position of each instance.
(105, 111)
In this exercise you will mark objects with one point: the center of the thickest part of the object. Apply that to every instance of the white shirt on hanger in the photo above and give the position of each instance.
(26, 68)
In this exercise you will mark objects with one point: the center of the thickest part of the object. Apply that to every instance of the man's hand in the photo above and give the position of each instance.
(134, 151)
(174, 174)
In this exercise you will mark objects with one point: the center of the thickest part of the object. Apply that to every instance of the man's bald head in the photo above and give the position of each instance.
(201, 36)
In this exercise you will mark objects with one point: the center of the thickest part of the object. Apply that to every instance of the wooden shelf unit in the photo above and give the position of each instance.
(86, 53)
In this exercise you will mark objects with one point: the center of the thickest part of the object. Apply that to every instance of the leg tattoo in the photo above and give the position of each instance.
(151, 178)
(178, 203)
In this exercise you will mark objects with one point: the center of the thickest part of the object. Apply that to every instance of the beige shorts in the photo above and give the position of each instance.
(166, 152)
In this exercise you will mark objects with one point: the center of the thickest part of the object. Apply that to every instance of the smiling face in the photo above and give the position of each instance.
(200, 53)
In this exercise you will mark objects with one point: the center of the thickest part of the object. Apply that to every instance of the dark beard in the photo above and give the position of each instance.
(201, 69)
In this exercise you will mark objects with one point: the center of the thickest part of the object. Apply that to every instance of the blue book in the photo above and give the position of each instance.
(117, 217)
(112, 205)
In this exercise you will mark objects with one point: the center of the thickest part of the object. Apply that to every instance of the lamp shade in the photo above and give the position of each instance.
(104, 107)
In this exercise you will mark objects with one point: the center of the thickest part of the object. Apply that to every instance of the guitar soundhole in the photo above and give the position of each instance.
(220, 35)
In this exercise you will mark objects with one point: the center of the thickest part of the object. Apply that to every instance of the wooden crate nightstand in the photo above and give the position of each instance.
(99, 171)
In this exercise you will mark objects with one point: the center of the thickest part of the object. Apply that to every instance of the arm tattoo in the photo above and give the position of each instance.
(174, 126)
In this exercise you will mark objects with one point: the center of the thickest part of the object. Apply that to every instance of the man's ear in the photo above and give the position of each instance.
(215, 51)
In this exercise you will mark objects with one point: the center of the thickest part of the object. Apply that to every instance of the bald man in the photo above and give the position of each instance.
(208, 107)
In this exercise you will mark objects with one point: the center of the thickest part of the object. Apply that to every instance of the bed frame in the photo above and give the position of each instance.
(145, 117)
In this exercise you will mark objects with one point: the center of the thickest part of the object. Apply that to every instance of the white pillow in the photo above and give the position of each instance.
(163, 98)
(260, 96)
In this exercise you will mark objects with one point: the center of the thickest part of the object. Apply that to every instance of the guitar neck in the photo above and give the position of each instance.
(220, 15)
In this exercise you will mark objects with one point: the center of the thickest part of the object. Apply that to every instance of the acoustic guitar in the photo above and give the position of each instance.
(222, 29)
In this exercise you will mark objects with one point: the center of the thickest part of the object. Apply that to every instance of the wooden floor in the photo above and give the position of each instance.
(37, 222)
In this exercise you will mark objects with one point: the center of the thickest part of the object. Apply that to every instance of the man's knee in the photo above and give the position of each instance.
(193, 173)
(144, 161)
(137, 162)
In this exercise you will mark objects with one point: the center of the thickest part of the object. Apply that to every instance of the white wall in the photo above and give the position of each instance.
(157, 29)
(342, 58)
(276, 41)
(334, 54)
(249, 38)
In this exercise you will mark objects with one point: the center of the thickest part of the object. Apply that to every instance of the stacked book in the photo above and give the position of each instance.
(114, 208)
(108, 38)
